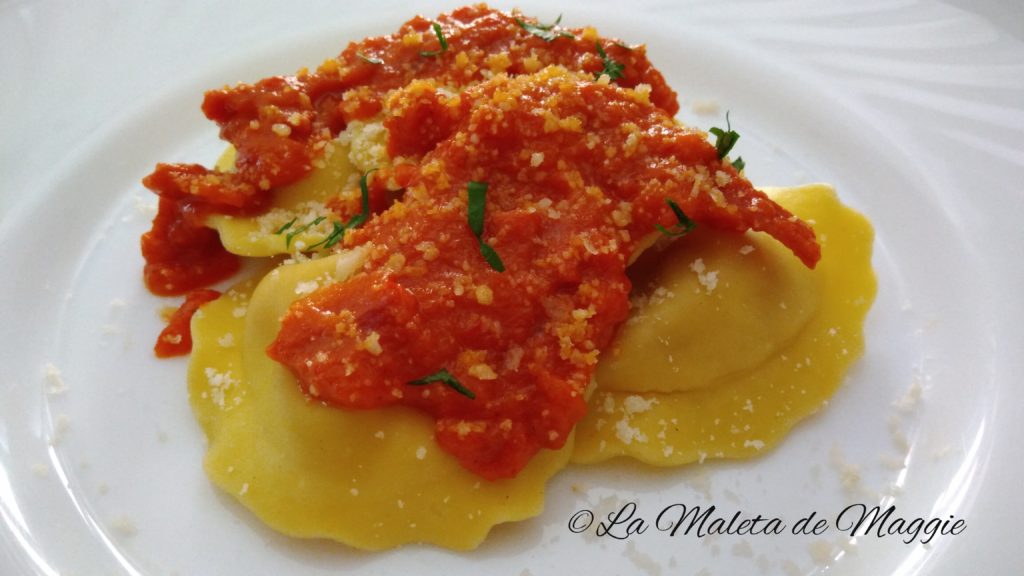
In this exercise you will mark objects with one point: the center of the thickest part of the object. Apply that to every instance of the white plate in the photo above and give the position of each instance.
(913, 110)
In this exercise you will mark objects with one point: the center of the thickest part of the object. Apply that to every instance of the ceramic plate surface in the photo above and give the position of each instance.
(913, 110)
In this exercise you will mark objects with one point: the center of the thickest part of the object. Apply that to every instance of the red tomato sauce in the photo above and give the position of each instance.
(578, 173)
(281, 125)
(176, 338)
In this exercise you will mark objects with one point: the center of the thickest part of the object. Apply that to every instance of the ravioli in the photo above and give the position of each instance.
(719, 359)
(735, 341)
(747, 287)
(371, 479)
(361, 147)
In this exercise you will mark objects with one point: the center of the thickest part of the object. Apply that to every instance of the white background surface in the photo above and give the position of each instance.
(914, 109)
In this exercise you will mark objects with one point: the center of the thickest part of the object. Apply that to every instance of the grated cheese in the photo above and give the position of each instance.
(124, 525)
(55, 384)
(705, 107)
(707, 279)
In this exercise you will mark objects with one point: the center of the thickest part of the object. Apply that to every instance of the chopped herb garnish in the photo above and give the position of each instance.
(356, 221)
(291, 235)
(440, 38)
(684, 226)
(477, 202)
(445, 377)
(612, 68)
(545, 32)
(739, 164)
(369, 59)
(725, 139)
(364, 193)
(333, 238)
(491, 257)
(286, 226)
